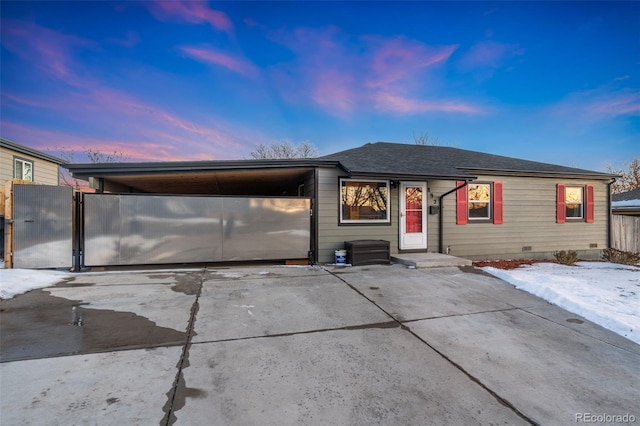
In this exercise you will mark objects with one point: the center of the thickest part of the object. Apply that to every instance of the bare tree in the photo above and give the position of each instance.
(284, 150)
(94, 155)
(629, 178)
(423, 138)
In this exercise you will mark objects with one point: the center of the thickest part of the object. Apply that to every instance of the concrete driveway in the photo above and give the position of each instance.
(270, 345)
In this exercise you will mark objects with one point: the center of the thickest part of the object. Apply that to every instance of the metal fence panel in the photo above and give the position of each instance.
(156, 229)
(170, 229)
(266, 228)
(102, 229)
(42, 226)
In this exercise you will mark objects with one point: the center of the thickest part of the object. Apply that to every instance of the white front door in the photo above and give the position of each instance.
(413, 215)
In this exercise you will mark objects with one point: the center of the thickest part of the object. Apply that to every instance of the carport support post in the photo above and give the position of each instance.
(77, 260)
(441, 216)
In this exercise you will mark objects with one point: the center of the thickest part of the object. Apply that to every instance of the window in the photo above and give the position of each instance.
(22, 169)
(479, 202)
(575, 203)
(364, 201)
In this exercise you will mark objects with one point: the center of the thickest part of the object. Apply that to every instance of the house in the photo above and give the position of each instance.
(419, 198)
(21, 162)
(626, 203)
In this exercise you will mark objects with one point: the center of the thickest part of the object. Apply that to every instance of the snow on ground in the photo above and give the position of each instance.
(607, 294)
(18, 281)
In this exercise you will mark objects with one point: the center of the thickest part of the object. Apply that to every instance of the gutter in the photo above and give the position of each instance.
(441, 216)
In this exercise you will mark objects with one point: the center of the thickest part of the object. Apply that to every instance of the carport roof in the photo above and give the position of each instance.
(86, 170)
(226, 177)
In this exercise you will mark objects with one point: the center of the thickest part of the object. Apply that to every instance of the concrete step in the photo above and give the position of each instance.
(429, 260)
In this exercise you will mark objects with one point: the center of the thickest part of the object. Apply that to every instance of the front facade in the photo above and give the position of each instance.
(419, 198)
(23, 163)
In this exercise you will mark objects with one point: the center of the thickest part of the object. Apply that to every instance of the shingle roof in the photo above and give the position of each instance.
(404, 160)
(629, 195)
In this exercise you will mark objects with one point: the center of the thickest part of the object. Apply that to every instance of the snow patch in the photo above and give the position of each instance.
(18, 281)
(605, 293)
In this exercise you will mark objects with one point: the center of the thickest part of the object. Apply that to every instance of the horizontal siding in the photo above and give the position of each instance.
(44, 172)
(529, 220)
(331, 235)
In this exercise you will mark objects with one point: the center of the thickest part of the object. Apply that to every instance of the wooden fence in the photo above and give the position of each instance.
(625, 232)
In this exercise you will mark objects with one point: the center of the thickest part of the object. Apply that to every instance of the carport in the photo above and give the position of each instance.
(200, 211)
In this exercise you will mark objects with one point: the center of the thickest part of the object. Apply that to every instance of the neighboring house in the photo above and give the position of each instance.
(21, 162)
(626, 203)
(419, 198)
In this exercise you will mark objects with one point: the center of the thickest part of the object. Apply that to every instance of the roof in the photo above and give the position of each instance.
(113, 169)
(627, 196)
(6, 143)
(420, 161)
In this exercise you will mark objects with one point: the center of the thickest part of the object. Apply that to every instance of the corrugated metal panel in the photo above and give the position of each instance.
(266, 228)
(42, 226)
(150, 229)
(102, 229)
(170, 229)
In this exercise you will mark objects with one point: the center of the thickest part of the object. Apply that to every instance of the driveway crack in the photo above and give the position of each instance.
(176, 397)
(471, 377)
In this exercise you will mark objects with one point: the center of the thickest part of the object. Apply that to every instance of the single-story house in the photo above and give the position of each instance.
(419, 198)
(21, 162)
(626, 203)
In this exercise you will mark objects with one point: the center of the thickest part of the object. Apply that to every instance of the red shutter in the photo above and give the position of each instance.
(497, 203)
(590, 212)
(461, 204)
(561, 210)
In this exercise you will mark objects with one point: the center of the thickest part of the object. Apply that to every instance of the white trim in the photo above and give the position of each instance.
(417, 240)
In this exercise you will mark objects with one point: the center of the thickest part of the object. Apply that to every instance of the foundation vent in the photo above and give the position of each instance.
(593, 245)
(526, 248)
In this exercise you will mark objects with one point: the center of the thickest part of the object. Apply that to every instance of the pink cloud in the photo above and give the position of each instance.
(592, 106)
(621, 103)
(488, 54)
(334, 89)
(342, 73)
(41, 47)
(216, 57)
(191, 11)
(396, 59)
(399, 104)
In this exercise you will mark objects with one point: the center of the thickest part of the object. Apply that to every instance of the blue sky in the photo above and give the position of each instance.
(548, 81)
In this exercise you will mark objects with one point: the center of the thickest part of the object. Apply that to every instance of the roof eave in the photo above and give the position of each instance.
(410, 176)
(120, 169)
(29, 151)
(532, 173)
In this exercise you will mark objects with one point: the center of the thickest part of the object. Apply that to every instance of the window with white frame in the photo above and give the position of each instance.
(22, 169)
(574, 196)
(364, 201)
(479, 201)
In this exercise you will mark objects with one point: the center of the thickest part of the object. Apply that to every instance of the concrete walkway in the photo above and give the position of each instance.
(269, 345)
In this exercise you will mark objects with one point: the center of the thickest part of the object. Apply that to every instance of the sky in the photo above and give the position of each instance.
(188, 80)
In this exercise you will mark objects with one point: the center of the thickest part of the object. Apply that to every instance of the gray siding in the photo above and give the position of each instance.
(529, 221)
(331, 235)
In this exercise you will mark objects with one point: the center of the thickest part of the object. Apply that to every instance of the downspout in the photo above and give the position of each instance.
(609, 233)
(441, 216)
